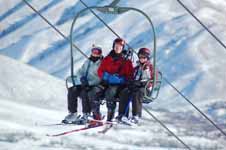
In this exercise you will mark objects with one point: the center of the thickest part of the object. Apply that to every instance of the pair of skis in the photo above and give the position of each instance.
(91, 125)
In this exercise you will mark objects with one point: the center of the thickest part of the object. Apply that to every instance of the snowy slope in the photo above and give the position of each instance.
(187, 55)
(23, 84)
(23, 116)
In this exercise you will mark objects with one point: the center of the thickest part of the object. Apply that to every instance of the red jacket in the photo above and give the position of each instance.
(113, 65)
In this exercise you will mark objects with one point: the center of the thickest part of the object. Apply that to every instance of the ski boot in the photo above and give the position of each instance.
(82, 120)
(124, 120)
(70, 118)
(135, 120)
(110, 115)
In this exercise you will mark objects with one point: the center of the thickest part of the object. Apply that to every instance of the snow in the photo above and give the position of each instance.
(34, 62)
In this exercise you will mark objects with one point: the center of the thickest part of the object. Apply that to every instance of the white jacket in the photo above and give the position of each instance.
(143, 73)
(89, 69)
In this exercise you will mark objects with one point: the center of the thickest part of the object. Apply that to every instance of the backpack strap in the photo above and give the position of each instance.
(87, 69)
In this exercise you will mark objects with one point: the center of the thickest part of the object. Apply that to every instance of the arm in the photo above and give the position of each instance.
(82, 69)
(101, 69)
(151, 72)
(79, 74)
(129, 71)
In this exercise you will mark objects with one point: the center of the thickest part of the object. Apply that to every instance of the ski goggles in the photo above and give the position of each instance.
(142, 57)
(97, 51)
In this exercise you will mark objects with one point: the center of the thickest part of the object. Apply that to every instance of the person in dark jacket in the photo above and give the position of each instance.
(87, 82)
(135, 90)
(114, 71)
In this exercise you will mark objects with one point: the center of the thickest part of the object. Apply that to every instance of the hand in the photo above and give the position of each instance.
(84, 81)
(137, 83)
(78, 87)
(134, 85)
(146, 66)
(104, 83)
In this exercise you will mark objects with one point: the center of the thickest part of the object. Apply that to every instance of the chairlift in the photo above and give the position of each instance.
(150, 94)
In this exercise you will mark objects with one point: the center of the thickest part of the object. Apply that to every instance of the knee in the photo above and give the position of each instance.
(109, 96)
(95, 93)
(111, 105)
(124, 94)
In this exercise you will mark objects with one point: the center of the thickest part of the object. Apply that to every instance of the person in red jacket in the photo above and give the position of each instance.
(114, 71)
(143, 72)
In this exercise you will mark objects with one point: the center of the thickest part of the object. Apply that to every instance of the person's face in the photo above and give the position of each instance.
(142, 59)
(95, 55)
(118, 48)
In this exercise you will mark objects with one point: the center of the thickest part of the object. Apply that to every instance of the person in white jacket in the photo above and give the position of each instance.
(87, 87)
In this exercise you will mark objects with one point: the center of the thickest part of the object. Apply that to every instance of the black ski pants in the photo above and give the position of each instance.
(73, 94)
(95, 95)
(131, 95)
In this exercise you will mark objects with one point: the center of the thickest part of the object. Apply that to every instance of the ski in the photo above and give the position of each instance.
(103, 121)
(58, 124)
(109, 125)
(90, 126)
(106, 128)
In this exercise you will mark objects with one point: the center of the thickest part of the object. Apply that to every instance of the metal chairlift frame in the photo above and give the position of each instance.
(113, 9)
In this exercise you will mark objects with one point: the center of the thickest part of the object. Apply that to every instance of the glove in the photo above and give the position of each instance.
(78, 87)
(134, 85)
(115, 79)
(105, 76)
(146, 66)
(104, 83)
(137, 83)
(84, 81)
